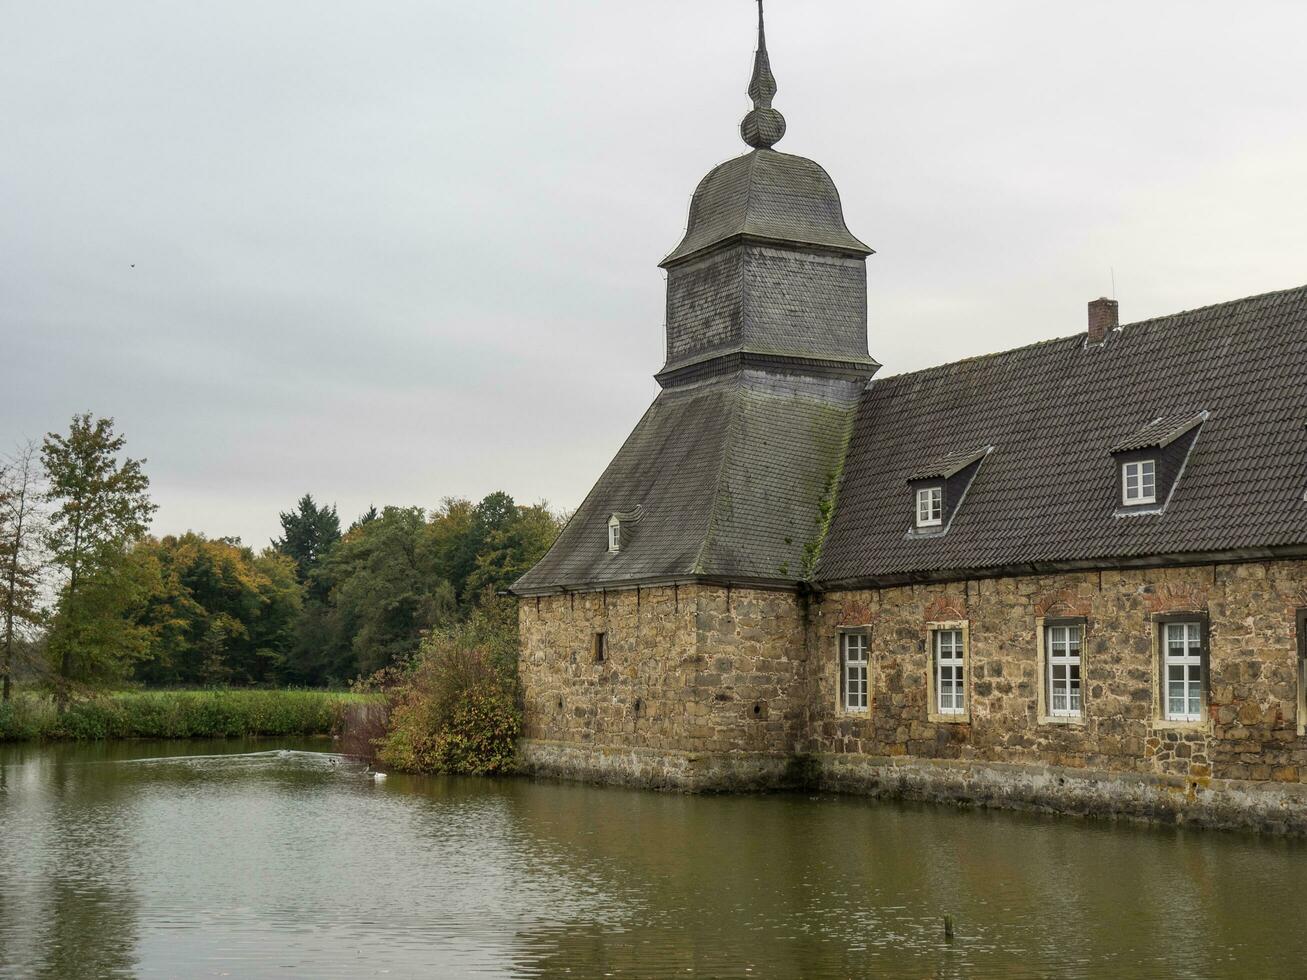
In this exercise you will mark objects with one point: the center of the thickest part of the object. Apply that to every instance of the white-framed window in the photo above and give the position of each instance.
(1062, 651)
(853, 671)
(1139, 482)
(950, 687)
(614, 534)
(1182, 671)
(930, 506)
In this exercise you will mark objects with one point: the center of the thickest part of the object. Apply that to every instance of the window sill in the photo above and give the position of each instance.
(1171, 724)
(1139, 510)
(962, 719)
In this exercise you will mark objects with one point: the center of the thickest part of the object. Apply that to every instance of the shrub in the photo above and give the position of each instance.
(454, 711)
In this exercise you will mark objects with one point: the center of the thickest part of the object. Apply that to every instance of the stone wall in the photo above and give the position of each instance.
(709, 688)
(1251, 728)
(688, 668)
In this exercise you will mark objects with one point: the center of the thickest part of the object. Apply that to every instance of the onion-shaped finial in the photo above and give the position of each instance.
(763, 126)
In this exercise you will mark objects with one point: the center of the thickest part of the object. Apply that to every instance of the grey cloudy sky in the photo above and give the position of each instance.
(392, 251)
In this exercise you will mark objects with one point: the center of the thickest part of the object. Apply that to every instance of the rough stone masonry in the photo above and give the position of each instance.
(710, 688)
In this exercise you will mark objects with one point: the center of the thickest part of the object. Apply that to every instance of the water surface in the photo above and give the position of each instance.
(276, 858)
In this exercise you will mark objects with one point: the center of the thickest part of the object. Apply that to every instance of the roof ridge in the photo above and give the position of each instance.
(975, 357)
(1078, 336)
(1216, 306)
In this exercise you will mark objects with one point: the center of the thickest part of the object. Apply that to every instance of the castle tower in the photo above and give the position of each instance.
(729, 477)
(767, 276)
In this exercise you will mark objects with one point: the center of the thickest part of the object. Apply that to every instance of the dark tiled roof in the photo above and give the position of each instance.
(730, 477)
(1054, 410)
(767, 195)
(949, 465)
(1160, 432)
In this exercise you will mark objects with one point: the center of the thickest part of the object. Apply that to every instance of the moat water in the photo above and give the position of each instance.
(272, 859)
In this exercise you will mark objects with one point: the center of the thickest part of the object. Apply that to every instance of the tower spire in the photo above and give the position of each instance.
(763, 126)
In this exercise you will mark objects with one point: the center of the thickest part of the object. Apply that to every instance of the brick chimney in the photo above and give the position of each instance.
(1103, 319)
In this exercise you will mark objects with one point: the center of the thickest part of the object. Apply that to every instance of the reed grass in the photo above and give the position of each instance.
(216, 713)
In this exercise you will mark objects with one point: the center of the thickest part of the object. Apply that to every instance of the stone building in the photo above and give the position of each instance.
(1068, 576)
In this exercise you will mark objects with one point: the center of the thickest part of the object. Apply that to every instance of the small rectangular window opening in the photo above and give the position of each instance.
(853, 680)
(930, 506)
(1062, 645)
(601, 647)
(1182, 670)
(614, 536)
(1139, 482)
(950, 690)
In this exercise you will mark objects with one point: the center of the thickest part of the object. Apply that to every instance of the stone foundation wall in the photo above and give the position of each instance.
(712, 688)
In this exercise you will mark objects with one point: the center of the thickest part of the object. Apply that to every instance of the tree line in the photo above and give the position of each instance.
(90, 599)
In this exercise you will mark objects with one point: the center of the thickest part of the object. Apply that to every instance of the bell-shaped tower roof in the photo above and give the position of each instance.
(765, 194)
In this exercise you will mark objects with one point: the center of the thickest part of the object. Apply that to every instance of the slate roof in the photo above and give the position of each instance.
(1054, 411)
(729, 477)
(1160, 432)
(770, 195)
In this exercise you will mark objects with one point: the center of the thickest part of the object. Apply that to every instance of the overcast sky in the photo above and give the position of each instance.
(388, 252)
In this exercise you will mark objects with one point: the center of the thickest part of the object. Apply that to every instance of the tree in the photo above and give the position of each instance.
(367, 517)
(221, 614)
(386, 589)
(461, 531)
(511, 548)
(308, 533)
(21, 558)
(101, 505)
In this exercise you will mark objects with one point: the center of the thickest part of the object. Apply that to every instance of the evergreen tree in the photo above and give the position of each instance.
(101, 505)
(308, 533)
(367, 517)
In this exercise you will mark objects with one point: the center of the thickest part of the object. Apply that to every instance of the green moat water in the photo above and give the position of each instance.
(272, 859)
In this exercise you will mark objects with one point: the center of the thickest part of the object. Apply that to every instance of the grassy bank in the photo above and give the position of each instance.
(175, 714)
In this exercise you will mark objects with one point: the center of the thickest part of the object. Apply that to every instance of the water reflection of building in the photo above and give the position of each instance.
(1067, 575)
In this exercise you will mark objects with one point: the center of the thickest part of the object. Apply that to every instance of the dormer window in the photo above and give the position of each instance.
(930, 507)
(1139, 482)
(623, 525)
(1151, 461)
(938, 489)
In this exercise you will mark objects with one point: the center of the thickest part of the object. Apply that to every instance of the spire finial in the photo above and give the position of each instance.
(763, 127)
